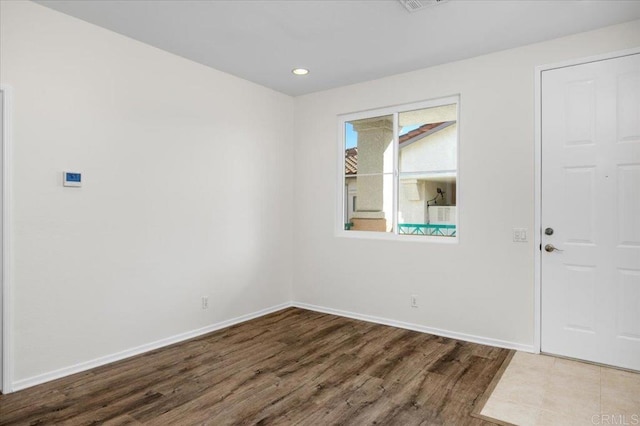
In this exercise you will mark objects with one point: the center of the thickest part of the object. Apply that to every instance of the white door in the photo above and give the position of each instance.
(591, 201)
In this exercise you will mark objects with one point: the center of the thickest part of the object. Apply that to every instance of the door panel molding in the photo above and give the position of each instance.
(538, 175)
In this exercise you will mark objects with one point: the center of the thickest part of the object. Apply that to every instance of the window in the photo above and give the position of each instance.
(401, 164)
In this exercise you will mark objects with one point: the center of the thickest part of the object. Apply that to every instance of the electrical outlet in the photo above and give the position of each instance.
(414, 301)
(520, 235)
(205, 302)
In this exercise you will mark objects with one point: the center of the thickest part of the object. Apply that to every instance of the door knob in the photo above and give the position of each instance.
(549, 248)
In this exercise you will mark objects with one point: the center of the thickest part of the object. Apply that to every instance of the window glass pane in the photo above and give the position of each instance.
(428, 140)
(368, 204)
(371, 140)
(427, 162)
(427, 205)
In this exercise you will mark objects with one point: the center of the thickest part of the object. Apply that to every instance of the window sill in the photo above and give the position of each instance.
(389, 236)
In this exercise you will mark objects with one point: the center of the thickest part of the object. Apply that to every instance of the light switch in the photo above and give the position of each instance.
(520, 235)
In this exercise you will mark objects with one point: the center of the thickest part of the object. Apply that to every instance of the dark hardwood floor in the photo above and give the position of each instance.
(291, 367)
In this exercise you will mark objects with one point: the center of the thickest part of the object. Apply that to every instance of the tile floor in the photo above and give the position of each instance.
(544, 390)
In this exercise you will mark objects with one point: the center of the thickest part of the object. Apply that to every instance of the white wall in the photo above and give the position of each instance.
(187, 191)
(483, 286)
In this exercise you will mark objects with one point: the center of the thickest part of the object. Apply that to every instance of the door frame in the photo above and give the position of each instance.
(537, 335)
(6, 284)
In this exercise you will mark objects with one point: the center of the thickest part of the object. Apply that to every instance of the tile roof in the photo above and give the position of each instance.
(351, 161)
(418, 132)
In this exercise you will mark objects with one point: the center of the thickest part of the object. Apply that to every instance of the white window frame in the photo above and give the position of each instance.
(394, 111)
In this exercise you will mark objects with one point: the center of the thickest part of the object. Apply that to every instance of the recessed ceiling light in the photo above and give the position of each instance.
(300, 71)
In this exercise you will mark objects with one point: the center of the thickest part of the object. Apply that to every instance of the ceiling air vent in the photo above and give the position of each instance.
(415, 5)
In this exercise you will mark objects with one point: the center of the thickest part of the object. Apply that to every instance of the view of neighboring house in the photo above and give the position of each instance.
(427, 160)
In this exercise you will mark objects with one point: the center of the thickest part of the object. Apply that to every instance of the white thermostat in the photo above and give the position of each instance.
(72, 179)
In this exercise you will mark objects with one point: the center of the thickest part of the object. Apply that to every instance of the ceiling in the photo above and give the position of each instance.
(340, 41)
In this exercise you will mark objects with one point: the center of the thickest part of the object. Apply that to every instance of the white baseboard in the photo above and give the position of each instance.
(415, 327)
(87, 365)
(83, 366)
